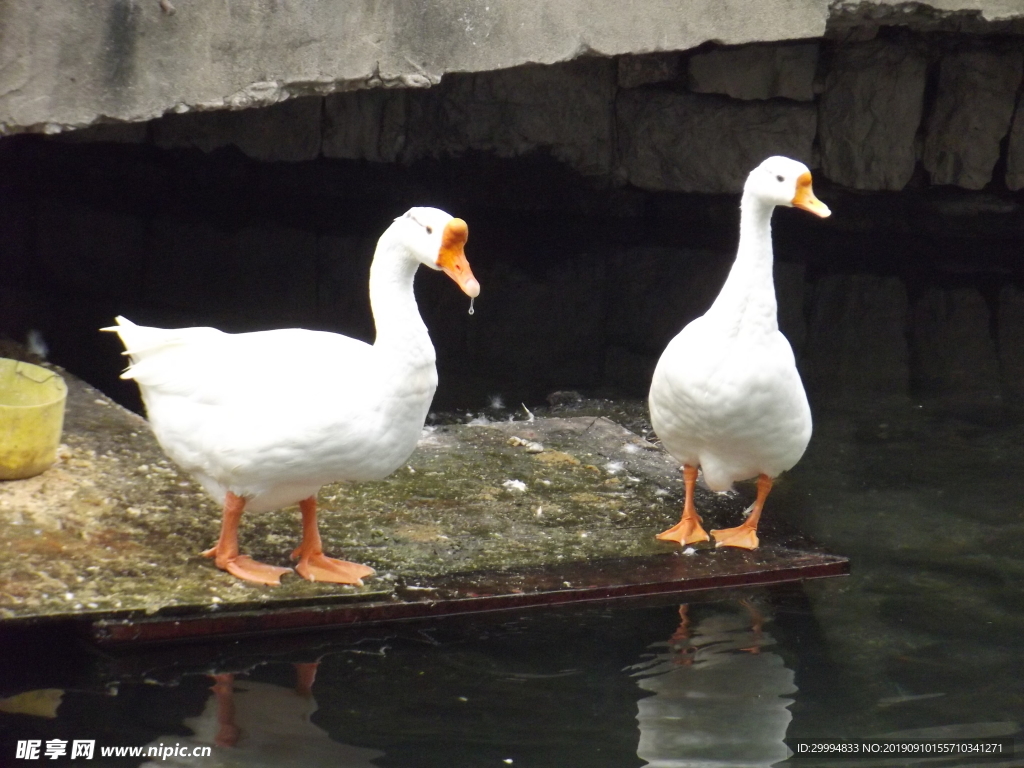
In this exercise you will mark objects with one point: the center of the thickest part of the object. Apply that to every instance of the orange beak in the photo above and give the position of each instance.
(452, 257)
(804, 197)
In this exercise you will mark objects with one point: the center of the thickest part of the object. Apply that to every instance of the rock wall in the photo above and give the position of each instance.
(977, 90)
(954, 349)
(70, 65)
(868, 114)
(600, 192)
(73, 64)
(692, 143)
(898, 296)
(871, 108)
(858, 347)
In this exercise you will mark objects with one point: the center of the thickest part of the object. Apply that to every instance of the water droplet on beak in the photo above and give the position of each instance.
(471, 310)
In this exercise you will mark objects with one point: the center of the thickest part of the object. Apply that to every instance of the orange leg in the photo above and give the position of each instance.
(680, 640)
(682, 632)
(225, 552)
(313, 564)
(688, 529)
(756, 625)
(224, 690)
(744, 535)
(305, 676)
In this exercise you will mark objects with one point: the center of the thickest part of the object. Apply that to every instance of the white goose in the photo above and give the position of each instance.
(263, 420)
(726, 395)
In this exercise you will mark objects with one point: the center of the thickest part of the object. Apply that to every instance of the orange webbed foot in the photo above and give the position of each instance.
(318, 567)
(225, 551)
(250, 570)
(686, 531)
(313, 564)
(742, 537)
(247, 569)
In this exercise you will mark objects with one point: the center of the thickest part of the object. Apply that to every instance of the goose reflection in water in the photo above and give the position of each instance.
(253, 724)
(719, 698)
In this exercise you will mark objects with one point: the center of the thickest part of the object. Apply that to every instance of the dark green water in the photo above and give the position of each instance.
(924, 639)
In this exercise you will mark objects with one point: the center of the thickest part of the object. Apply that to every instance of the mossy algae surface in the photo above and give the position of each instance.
(115, 529)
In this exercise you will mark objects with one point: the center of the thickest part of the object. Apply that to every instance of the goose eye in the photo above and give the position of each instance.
(779, 178)
(430, 230)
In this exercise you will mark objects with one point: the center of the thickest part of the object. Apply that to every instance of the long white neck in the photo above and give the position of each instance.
(401, 334)
(747, 300)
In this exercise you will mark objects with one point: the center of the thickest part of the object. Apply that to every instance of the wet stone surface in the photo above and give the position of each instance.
(114, 529)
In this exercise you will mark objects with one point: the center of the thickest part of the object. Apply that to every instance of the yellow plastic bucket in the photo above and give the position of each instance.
(31, 418)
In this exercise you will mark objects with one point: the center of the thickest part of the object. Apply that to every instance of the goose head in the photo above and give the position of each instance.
(782, 181)
(437, 240)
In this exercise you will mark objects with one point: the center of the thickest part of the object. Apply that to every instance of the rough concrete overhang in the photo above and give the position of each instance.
(69, 65)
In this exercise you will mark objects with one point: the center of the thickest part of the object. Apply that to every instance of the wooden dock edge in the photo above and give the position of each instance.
(463, 594)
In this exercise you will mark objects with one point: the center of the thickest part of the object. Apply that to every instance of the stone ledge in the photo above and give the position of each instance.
(110, 536)
(68, 66)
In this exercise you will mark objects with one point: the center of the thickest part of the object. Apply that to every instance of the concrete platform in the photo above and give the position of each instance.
(484, 517)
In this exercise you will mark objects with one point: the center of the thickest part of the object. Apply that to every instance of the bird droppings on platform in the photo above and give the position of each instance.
(513, 511)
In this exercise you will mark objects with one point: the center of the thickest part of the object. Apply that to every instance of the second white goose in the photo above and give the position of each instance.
(726, 396)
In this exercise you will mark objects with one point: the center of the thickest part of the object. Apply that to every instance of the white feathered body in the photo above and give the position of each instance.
(274, 415)
(726, 395)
